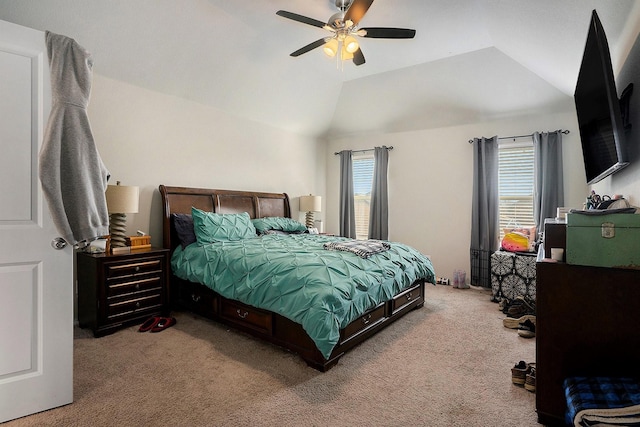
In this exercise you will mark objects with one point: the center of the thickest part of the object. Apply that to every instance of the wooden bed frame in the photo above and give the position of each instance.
(262, 323)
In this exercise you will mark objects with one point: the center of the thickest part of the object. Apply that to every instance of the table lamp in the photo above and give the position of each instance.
(310, 204)
(121, 199)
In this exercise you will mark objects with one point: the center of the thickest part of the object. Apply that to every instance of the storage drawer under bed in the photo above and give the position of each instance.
(407, 298)
(364, 322)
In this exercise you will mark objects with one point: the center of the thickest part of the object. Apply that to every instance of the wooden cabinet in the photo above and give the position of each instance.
(118, 290)
(587, 324)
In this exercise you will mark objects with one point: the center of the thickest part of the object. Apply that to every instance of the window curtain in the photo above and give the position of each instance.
(484, 210)
(347, 209)
(548, 179)
(379, 210)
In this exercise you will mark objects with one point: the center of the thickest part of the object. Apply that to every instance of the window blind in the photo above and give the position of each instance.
(516, 186)
(362, 184)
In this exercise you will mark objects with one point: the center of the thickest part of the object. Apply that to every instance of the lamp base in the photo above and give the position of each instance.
(309, 220)
(117, 230)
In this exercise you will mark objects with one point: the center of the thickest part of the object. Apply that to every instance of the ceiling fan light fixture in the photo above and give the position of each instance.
(351, 44)
(345, 54)
(330, 48)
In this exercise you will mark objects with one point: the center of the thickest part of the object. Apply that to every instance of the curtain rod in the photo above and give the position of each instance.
(363, 151)
(566, 132)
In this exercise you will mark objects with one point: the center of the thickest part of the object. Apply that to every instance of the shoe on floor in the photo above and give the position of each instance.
(164, 323)
(513, 323)
(527, 329)
(519, 372)
(521, 306)
(530, 380)
(149, 324)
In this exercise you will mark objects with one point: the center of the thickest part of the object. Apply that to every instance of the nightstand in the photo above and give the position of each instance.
(120, 290)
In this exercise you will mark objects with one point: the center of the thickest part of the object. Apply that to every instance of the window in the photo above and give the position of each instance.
(362, 184)
(515, 178)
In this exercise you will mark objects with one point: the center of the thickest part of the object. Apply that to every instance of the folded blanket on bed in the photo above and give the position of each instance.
(602, 401)
(362, 248)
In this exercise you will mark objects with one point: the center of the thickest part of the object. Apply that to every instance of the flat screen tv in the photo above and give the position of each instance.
(598, 108)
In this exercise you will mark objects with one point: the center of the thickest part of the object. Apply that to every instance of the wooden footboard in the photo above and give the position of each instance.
(262, 323)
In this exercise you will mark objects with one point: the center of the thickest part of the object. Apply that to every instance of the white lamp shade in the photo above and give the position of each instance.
(351, 44)
(331, 47)
(122, 199)
(310, 203)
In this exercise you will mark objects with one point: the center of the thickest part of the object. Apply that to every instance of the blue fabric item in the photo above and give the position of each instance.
(294, 276)
(604, 400)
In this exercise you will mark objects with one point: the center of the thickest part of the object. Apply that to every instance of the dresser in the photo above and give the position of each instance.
(120, 290)
(588, 324)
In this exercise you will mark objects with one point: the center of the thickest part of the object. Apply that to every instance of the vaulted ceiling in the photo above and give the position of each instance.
(471, 60)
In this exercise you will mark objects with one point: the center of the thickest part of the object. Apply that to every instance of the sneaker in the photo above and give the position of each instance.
(519, 372)
(513, 323)
(527, 329)
(521, 306)
(530, 380)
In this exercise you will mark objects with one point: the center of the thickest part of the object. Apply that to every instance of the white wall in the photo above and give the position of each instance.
(627, 181)
(146, 139)
(430, 182)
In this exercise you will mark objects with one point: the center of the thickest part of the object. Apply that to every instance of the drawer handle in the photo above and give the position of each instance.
(137, 286)
(242, 314)
(195, 298)
(137, 305)
(366, 319)
(409, 296)
(137, 268)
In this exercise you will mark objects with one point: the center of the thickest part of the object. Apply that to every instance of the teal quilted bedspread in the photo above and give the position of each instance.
(294, 276)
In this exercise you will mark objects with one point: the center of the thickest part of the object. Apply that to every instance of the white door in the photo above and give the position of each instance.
(36, 280)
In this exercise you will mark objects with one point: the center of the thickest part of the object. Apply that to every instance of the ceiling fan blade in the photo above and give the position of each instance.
(357, 10)
(389, 33)
(309, 47)
(300, 18)
(358, 57)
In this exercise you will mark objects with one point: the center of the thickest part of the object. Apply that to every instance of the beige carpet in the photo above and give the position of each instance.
(447, 364)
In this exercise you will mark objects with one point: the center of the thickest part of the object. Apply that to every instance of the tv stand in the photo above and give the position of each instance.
(588, 323)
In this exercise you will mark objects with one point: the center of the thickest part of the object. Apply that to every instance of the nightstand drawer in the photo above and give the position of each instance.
(133, 286)
(128, 269)
(129, 307)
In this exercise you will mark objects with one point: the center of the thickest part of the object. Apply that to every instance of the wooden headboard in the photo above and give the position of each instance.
(181, 199)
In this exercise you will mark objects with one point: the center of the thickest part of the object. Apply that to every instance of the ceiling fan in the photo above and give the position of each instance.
(344, 26)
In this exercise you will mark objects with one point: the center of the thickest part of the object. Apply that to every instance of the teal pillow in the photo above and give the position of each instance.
(211, 227)
(288, 225)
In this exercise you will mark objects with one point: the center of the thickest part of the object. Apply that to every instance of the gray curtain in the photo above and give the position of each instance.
(379, 210)
(548, 180)
(347, 210)
(484, 210)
